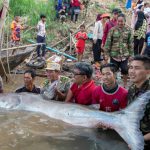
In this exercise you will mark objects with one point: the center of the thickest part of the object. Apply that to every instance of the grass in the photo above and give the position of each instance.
(32, 9)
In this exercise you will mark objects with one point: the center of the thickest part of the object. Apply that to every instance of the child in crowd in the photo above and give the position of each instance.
(62, 14)
(81, 36)
(16, 28)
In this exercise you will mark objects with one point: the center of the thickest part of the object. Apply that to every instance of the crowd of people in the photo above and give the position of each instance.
(116, 48)
(65, 8)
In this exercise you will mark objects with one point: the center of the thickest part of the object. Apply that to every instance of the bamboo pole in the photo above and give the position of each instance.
(24, 46)
(4, 12)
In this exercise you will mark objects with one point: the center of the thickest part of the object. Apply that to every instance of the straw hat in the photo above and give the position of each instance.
(53, 66)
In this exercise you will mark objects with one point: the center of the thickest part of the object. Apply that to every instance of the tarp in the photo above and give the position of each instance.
(128, 4)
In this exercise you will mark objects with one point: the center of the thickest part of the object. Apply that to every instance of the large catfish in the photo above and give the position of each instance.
(124, 122)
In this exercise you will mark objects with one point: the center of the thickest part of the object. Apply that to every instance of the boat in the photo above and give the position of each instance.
(14, 58)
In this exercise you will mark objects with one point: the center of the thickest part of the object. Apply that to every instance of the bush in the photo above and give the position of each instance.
(32, 9)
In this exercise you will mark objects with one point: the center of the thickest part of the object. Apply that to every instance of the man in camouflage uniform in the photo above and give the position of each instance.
(119, 46)
(139, 72)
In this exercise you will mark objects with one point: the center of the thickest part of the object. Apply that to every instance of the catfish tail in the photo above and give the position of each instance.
(129, 122)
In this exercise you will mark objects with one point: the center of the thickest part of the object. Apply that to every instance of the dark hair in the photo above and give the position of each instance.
(112, 67)
(140, 20)
(82, 25)
(84, 68)
(116, 10)
(123, 16)
(139, 1)
(42, 16)
(98, 17)
(32, 72)
(144, 59)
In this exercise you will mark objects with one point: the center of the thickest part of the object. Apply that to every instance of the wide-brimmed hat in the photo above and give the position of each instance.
(106, 15)
(53, 66)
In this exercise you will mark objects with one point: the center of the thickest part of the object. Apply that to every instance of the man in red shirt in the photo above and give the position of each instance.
(83, 87)
(110, 24)
(110, 96)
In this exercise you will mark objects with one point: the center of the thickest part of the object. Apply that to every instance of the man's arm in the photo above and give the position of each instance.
(130, 44)
(69, 96)
(95, 32)
(143, 49)
(147, 137)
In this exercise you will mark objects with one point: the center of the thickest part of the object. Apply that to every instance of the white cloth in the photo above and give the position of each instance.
(41, 28)
(98, 30)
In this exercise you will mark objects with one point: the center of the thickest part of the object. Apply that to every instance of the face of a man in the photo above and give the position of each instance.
(137, 72)
(121, 22)
(108, 77)
(52, 75)
(44, 19)
(78, 76)
(115, 16)
(28, 80)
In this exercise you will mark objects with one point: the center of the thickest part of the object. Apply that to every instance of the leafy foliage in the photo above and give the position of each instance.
(32, 9)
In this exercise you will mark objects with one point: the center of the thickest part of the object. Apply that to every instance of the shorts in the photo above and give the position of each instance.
(123, 65)
(79, 50)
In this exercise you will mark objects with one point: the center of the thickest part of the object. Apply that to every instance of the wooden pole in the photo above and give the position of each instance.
(24, 46)
(3, 16)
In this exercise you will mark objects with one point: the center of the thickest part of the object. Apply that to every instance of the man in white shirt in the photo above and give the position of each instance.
(41, 35)
(97, 40)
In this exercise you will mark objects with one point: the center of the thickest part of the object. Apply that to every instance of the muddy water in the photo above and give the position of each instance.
(32, 131)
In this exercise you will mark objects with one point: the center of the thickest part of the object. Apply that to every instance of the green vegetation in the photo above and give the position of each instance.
(29, 11)
(32, 9)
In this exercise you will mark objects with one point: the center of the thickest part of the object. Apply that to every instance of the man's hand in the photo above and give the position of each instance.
(94, 41)
(60, 94)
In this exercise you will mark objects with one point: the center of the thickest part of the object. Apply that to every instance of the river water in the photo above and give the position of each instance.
(21, 130)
